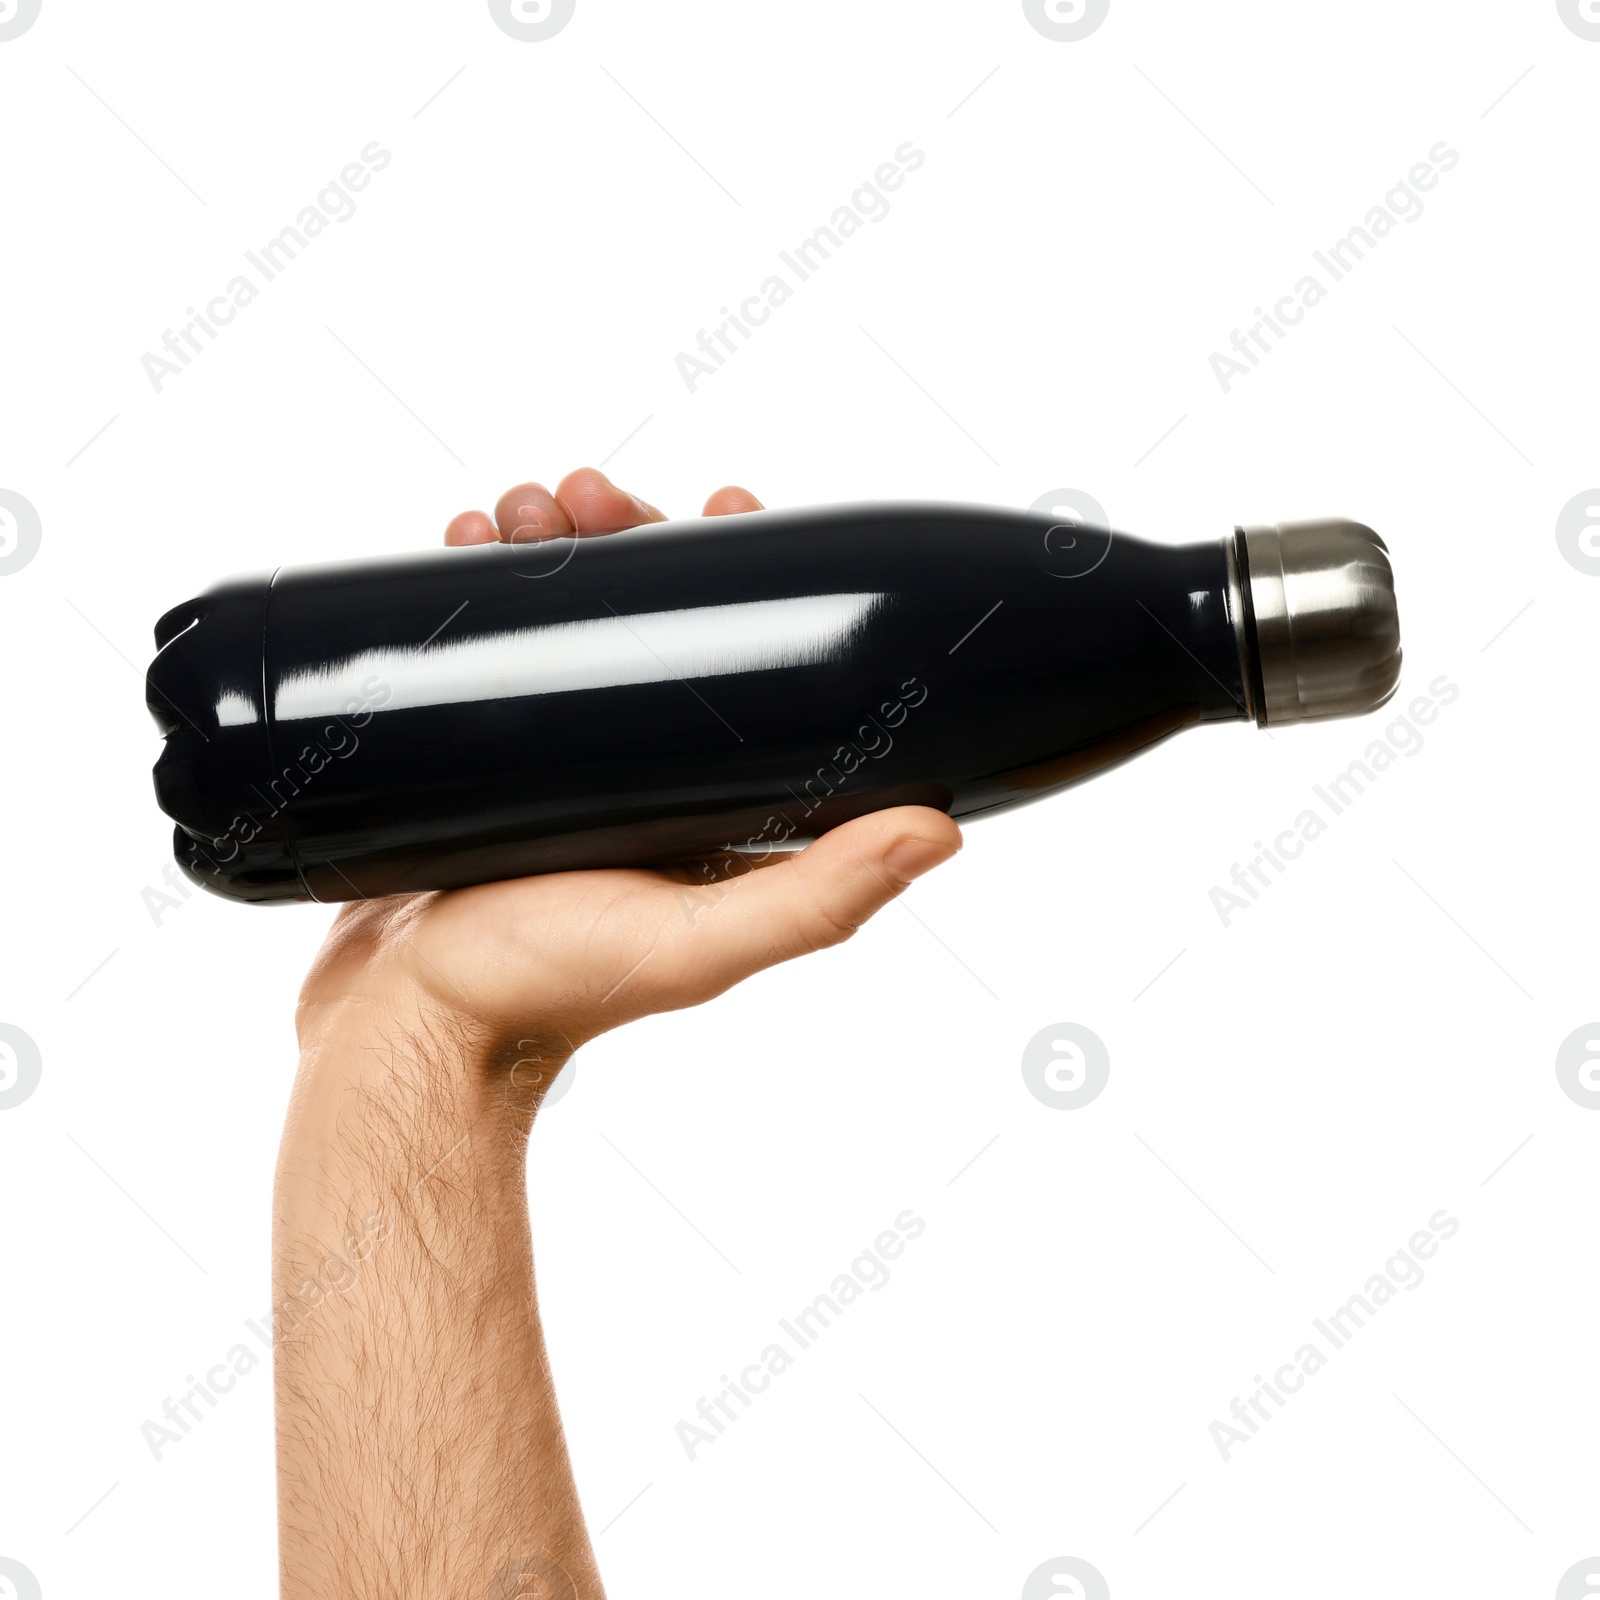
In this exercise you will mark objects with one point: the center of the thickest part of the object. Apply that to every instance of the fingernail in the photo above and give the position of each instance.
(910, 858)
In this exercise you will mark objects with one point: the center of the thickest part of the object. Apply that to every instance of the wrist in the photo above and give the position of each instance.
(393, 1092)
(439, 1057)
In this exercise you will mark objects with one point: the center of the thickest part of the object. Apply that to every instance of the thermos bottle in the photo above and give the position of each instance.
(740, 683)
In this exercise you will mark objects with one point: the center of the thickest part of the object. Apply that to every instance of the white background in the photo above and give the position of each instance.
(1290, 1099)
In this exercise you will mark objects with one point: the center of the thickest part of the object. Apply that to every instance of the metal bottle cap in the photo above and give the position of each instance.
(1318, 598)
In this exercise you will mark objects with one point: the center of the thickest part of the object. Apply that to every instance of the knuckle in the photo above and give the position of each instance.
(822, 925)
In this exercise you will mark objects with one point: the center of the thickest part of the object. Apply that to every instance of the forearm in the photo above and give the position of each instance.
(420, 1449)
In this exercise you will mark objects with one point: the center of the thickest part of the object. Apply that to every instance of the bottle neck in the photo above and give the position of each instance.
(1190, 602)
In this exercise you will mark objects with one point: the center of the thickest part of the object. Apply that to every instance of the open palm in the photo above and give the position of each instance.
(539, 965)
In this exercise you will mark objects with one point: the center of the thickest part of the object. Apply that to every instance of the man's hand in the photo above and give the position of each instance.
(419, 1446)
(575, 953)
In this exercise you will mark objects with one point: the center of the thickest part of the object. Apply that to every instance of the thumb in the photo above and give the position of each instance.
(819, 896)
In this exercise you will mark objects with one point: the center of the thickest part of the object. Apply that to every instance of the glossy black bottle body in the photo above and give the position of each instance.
(437, 720)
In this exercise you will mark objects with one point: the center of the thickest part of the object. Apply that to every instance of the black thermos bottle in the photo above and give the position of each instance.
(743, 682)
